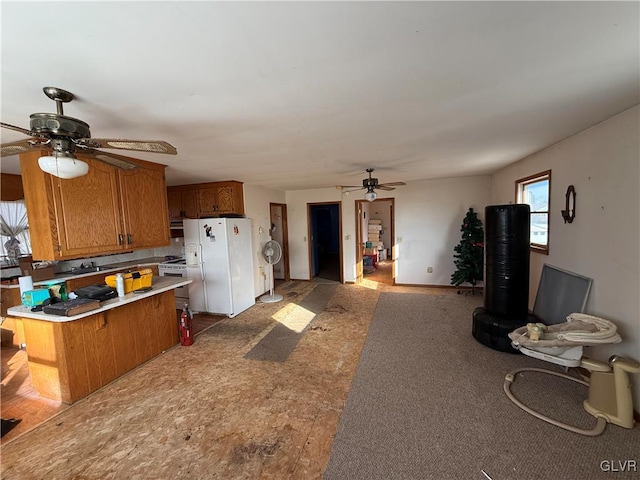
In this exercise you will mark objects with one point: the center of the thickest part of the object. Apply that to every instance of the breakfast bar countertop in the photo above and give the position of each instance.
(158, 285)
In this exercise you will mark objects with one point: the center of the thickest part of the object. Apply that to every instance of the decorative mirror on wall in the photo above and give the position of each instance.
(569, 212)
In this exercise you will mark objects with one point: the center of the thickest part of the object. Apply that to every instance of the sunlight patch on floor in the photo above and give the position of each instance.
(370, 284)
(294, 317)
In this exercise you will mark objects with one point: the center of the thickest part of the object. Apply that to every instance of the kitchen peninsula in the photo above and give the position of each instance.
(71, 357)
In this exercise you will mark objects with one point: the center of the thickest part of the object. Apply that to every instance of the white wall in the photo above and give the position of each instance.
(428, 215)
(297, 219)
(256, 207)
(603, 242)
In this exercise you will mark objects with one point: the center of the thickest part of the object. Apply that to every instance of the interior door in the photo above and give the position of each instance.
(325, 240)
(359, 241)
(279, 233)
(313, 242)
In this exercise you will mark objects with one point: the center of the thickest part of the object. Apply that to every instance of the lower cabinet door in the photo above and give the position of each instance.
(123, 325)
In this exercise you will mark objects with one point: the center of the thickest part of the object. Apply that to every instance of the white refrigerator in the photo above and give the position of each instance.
(219, 257)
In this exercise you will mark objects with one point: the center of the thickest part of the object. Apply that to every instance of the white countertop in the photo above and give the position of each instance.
(158, 285)
(104, 270)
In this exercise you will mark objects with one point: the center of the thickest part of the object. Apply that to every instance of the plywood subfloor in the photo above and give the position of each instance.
(205, 411)
(21, 401)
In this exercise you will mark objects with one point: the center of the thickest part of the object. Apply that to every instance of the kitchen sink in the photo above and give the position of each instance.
(77, 270)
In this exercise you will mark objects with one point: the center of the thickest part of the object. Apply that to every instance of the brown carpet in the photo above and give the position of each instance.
(427, 402)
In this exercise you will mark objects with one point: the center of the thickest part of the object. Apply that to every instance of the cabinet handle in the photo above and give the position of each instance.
(120, 239)
(129, 238)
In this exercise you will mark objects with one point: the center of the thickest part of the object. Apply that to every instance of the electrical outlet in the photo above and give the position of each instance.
(429, 269)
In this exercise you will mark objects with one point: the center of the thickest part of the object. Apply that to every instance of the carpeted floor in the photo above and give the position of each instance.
(427, 402)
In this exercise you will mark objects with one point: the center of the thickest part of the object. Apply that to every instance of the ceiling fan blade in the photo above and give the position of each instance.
(151, 146)
(384, 187)
(110, 158)
(342, 187)
(21, 146)
(17, 129)
(391, 184)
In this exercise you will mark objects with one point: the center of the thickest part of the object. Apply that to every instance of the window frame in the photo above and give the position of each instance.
(521, 183)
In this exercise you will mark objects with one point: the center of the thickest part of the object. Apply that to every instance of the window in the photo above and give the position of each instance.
(14, 231)
(535, 191)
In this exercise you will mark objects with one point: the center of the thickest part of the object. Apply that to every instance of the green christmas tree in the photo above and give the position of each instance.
(469, 256)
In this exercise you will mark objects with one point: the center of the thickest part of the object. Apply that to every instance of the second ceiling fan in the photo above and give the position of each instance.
(370, 184)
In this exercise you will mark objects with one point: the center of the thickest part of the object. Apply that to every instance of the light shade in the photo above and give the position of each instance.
(370, 196)
(63, 167)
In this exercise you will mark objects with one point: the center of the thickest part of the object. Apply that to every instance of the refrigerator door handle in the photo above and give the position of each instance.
(203, 274)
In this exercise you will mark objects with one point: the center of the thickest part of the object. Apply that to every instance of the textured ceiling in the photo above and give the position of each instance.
(298, 95)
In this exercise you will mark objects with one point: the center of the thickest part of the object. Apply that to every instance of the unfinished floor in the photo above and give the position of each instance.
(205, 411)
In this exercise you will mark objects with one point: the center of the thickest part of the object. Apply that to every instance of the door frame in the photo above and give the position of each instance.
(285, 237)
(309, 236)
(359, 240)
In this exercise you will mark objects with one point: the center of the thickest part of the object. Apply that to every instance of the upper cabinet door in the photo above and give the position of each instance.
(207, 201)
(144, 199)
(226, 202)
(174, 200)
(189, 204)
(220, 198)
(183, 202)
(88, 212)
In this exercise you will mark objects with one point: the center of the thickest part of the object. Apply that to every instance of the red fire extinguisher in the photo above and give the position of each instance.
(186, 327)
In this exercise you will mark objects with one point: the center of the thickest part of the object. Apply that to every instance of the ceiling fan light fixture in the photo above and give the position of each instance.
(63, 166)
(370, 196)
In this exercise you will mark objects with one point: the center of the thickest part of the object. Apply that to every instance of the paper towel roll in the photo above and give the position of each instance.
(26, 283)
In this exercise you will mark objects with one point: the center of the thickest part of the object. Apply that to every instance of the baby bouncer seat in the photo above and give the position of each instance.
(610, 399)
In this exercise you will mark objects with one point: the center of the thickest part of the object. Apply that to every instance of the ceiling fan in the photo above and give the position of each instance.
(64, 136)
(371, 184)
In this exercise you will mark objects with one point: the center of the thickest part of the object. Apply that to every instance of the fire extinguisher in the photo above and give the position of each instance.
(186, 326)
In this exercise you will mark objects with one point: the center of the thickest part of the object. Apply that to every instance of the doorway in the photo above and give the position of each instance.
(375, 226)
(280, 233)
(325, 245)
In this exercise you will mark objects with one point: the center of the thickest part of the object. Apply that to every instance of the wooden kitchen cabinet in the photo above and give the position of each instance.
(9, 297)
(69, 360)
(97, 333)
(220, 198)
(143, 194)
(109, 210)
(183, 203)
(200, 200)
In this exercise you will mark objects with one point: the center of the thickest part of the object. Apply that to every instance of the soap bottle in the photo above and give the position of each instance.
(120, 284)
